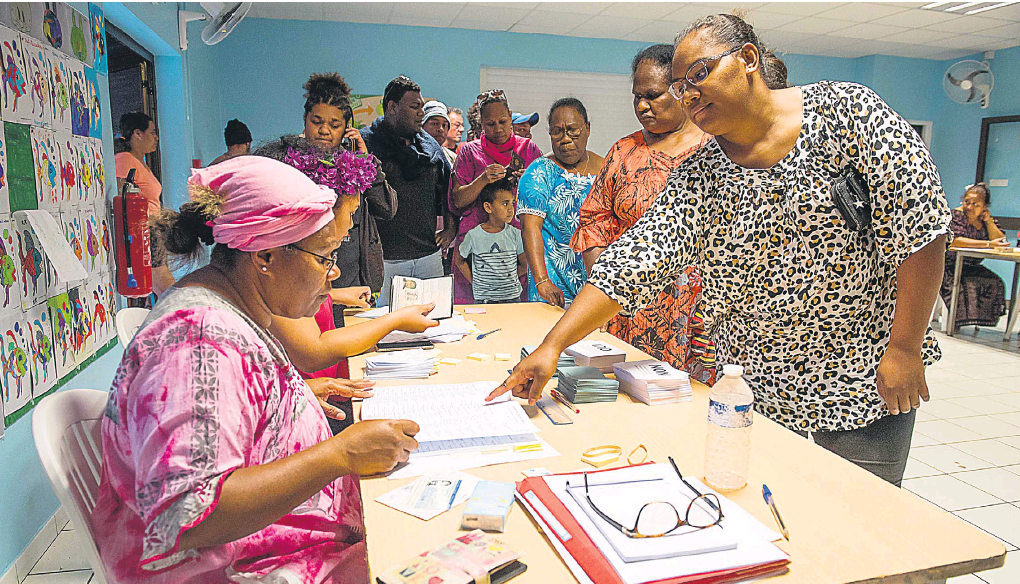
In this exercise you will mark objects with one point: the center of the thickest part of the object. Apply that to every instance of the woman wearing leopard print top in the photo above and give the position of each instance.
(793, 294)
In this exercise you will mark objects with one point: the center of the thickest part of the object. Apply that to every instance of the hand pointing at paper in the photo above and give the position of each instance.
(591, 309)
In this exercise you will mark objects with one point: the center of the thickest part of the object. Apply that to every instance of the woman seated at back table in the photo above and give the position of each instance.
(982, 297)
(218, 464)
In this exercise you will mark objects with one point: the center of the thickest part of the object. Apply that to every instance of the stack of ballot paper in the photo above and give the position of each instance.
(564, 361)
(654, 382)
(449, 330)
(585, 385)
(596, 354)
(410, 364)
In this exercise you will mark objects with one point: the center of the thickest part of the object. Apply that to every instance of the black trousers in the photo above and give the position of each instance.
(881, 448)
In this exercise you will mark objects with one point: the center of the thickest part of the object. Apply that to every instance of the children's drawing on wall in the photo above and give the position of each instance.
(52, 28)
(98, 168)
(10, 276)
(44, 156)
(15, 100)
(20, 167)
(40, 342)
(67, 179)
(38, 82)
(59, 83)
(83, 162)
(5, 202)
(79, 41)
(97, 25)
(105, 237)
(79, 109)
(16, 15)
(92, 103)
(81, 325)
(17, 384)
(60, 318)
(102, 318)
(92, 257)
(70, 223)
(37, 277)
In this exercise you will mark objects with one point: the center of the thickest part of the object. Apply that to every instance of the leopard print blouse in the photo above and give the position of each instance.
(790, 292)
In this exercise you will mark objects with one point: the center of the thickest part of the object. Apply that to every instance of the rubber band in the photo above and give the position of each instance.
(644, 455)
(600, 456)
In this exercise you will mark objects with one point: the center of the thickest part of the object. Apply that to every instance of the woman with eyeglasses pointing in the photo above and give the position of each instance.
(817, 219)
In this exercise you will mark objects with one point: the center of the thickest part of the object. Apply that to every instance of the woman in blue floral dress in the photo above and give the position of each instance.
(549, 198)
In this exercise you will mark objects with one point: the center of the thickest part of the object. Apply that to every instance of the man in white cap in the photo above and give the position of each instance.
(437, 125)
(523, 123)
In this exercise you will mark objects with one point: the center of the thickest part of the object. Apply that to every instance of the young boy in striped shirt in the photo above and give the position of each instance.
(495, 249)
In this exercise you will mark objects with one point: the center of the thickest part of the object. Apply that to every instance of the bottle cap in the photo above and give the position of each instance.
(733, 370)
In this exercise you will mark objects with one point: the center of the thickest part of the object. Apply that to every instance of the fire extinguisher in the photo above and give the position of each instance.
(134, 259)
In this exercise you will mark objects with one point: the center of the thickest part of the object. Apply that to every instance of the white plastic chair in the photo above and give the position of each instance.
(128, 321)
(66, 427)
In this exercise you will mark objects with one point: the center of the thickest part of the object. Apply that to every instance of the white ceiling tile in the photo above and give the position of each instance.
(770, 20)
(1001, 44)
(948, 54)
(436, 20)
(912, 50)
(867, 30)
(1010, 31)
(1011, 12)
(481, 25)
(649, 10)
(861, 11)
(550, 22)
(966, 24)
(908, 4)
(731, 6)
(430, 9)
(814, 25)
(648, 36)
(602, 25)
(486, 13)
(799, 8)
(521, 5)
(691, 12)
(780, 39)
(578, 7)
(916, 18)
(368, 12)
(916, 35)
(968, 41)
(286, 10)
(661, 29)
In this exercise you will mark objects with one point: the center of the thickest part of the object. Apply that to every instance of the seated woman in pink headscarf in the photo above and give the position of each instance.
(218, 463)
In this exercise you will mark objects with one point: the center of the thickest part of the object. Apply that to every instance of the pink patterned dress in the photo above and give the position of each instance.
(202, 391)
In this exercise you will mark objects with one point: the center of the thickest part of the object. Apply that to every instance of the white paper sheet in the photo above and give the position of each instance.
(424, 498)
(754, 538)
(55, 246)
(422, 465)
(374, 313)
(449, 411)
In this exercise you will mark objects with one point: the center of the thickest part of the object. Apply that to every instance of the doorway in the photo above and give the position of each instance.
(132, 85)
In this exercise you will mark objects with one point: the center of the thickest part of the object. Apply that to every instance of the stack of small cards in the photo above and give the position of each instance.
(596, 354)
(410, 364)
(654, 382)
(564, 361)
(586, 385)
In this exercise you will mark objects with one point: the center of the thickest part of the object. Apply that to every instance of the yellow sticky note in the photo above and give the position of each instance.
(479, 356)
(449, 361)
(502, 356)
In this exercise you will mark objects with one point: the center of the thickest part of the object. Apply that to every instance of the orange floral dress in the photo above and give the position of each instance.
(669, 329)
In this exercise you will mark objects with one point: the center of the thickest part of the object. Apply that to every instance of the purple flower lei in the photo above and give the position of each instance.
(347, 173)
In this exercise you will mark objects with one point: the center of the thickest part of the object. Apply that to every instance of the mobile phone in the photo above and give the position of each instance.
(401, 345)
(349, 144)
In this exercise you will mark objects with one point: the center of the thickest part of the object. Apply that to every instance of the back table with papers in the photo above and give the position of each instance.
(846, 525)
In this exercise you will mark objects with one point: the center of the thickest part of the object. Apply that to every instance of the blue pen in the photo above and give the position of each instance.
(765, 492)
(483, 335)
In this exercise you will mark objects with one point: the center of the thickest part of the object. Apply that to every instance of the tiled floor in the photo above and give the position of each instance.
(964, 458)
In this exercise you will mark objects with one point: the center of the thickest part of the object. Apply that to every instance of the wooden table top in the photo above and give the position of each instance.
(846, 525)
(1007, 253)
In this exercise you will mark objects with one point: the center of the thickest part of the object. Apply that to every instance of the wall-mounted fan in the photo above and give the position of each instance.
(222, 17)
(968, 82)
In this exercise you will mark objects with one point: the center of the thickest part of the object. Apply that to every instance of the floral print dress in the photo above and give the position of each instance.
(200, 392)
(548, 191)
(790, 292)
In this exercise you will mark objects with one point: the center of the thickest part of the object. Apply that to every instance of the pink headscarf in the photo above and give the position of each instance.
(263, 203)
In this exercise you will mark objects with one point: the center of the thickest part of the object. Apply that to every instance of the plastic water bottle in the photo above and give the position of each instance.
(728, 444)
